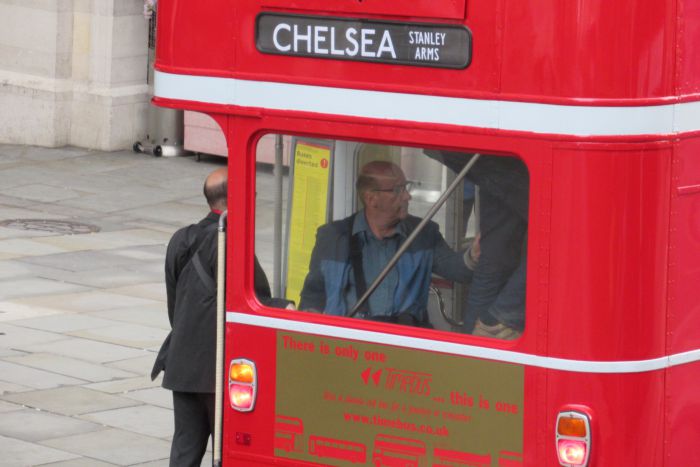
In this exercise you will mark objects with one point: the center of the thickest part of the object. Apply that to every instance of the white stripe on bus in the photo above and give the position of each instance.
(506, 356)
(553, 119)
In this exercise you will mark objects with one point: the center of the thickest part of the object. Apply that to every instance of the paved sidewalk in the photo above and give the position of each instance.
(82, 302)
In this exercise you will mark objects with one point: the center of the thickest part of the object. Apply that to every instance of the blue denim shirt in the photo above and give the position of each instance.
(330, 285)
(376, 254)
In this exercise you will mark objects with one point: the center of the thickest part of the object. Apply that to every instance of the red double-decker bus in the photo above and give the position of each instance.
(580, 119)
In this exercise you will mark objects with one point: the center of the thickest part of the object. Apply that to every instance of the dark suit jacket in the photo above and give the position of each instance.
(188, 354)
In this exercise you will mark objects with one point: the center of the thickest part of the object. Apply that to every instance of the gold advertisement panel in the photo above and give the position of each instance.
(347, 403)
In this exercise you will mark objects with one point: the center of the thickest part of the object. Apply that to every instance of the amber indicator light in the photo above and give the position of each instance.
(568, 426)
(242, 373)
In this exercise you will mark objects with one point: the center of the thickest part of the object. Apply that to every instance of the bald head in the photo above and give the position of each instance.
(215, 189)
(374, 175)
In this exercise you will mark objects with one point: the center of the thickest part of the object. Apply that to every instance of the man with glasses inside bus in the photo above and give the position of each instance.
(351, 253)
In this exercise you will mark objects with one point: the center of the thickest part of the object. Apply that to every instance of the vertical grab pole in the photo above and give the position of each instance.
(277, 253)
(220, 294)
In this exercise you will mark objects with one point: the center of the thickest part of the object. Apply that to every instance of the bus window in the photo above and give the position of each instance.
(404, 235)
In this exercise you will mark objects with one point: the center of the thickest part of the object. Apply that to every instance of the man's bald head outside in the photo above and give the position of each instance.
(216, 188)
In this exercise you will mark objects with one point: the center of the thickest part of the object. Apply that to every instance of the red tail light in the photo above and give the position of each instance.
(242, 385)
(573, 438)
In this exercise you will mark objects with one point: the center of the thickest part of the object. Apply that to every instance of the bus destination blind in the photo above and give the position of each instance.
(403, 43)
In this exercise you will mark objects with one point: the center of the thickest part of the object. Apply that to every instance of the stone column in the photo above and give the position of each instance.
(73, 72)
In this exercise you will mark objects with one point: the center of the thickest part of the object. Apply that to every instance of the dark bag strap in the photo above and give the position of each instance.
(205, 277)
(358, 270)
(208, 281)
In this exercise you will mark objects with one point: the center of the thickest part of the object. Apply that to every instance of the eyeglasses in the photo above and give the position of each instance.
(398, 189)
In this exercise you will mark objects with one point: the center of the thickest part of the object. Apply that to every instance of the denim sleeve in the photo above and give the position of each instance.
(448, 263)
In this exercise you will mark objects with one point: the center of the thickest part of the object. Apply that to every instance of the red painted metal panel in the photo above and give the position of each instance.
(196, 37)
(257, 345)
(684, 249)
(683, 413)
(448, 9)
(628, 411)
(688, 60)
(608, 251)
(594, 52)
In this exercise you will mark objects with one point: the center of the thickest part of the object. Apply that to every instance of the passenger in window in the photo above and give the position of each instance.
(349, 254)
(496, 301)
(497, 293)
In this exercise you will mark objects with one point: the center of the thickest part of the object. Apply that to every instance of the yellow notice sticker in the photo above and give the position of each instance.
(309, 208)
(347, 403)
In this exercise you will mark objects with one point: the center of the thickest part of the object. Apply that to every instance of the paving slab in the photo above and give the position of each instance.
(167, 228)
(85, 349)
(104, 240)
(158, 396)
(17, 453)
(44, 155)
(133, 335)
(89, 300)
(98, 163)
(15, 312)
(12, 336)
(7, 232)
(9, 407)
(171, 213)
(153, 316)
(9, 212)
(83, 261)
(126, 386)
(86, 181)
(12, 388)
(151, 253)
(154, 268)
(35, 286)
(35, 425)
(152, 291)
(20, 247)
(160, 463)
(140, 366)
(111, 276)
(70, 401)
(113, 445)
(25, 376)
(13, 268)
(145, 419)
(206, 462)
(72, 367)
(58, 320)
(80, 462)
(83, 215)
(41, 192)
(108, 202)
(5, 352)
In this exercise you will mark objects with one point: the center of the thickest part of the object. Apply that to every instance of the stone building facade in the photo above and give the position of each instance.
(73, 72)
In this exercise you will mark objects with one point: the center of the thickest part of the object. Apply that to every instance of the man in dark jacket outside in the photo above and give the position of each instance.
(188, 354)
